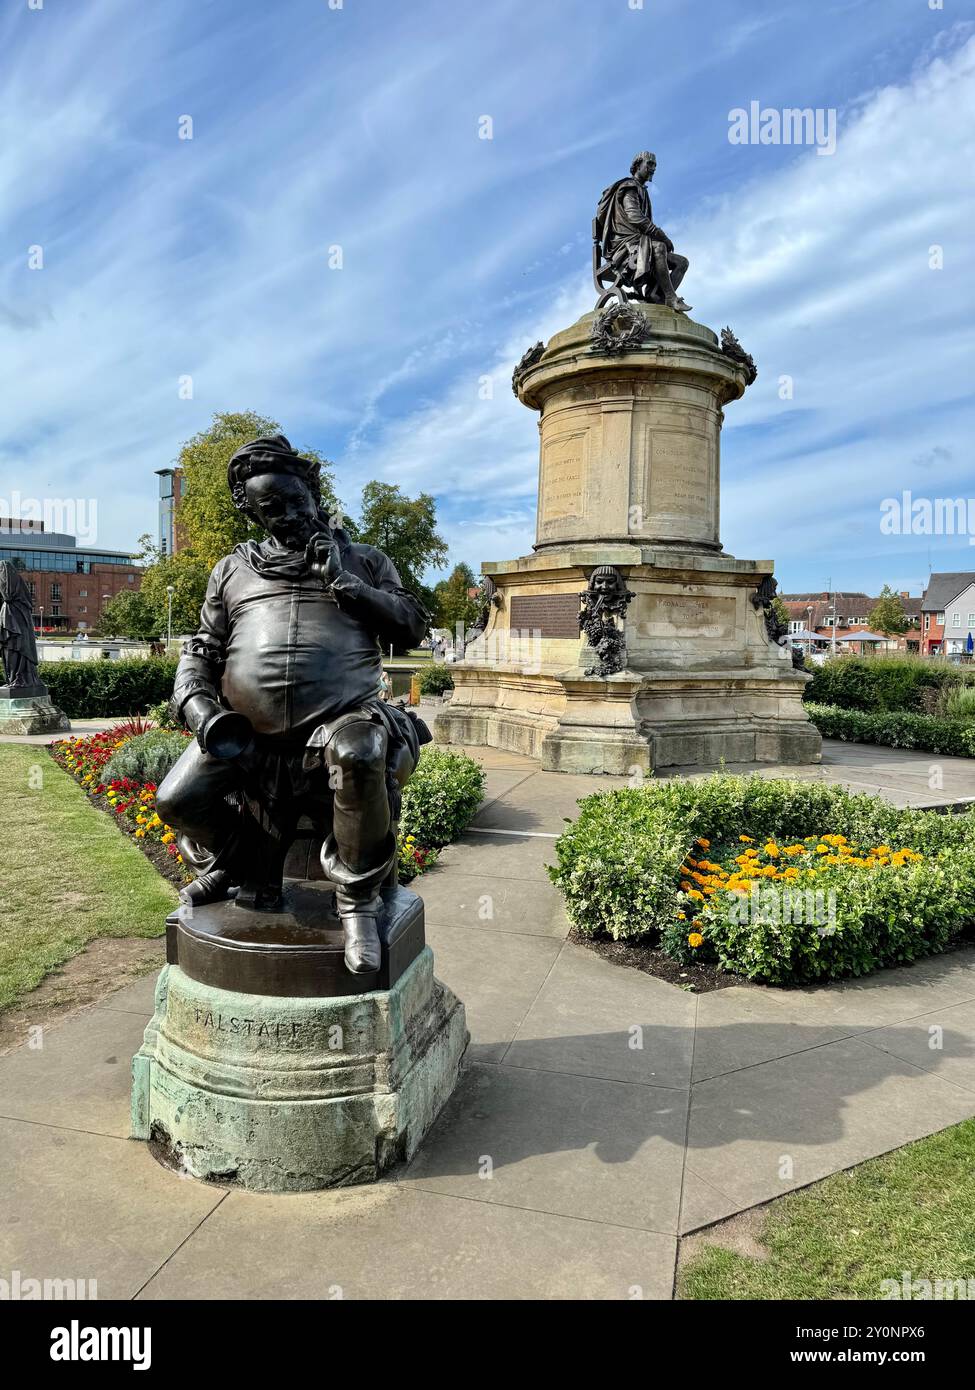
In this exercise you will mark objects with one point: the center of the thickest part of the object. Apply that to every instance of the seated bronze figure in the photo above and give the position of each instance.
(281, 685)
(632, 257)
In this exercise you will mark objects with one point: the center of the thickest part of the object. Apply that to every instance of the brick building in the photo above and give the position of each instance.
(69, 584)
(815, 612)
(948, 613)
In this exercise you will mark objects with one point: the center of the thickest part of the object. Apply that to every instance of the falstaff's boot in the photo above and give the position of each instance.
(360, 904)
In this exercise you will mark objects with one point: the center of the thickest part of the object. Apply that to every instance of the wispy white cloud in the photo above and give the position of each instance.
(358, 127)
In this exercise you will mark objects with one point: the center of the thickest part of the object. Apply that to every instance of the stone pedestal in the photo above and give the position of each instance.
(284, 1092)
(629, 476)
(30, 710)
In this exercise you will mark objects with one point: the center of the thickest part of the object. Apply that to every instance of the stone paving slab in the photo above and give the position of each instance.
(591, 1018)
(484, 902)
(80, 1078)
(702, 1204)
(87, 1206)
(600, 1151)
(942, 1042)
(388, 1242)
(571, 1145)
(763, 1131)
(496, 975)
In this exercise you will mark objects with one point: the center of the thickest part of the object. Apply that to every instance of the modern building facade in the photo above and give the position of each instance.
(69, 584)
(170, 496)
(948, 613)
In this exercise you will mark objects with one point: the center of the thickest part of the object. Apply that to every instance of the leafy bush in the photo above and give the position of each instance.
(858, 921)
(441, 798)
(896, 729)
(878, 683)
(108, 689)
(435, 679)
(145, 758)
(164, 717)
(621, 864)
(959, 702)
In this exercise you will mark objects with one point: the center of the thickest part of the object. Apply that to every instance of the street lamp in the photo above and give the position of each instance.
(170, 590)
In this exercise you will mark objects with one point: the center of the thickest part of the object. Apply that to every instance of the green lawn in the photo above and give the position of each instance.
(913, 1209)
(68, 875)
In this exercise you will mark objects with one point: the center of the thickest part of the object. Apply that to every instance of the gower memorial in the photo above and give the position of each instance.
(300, 1039)
(629, 639)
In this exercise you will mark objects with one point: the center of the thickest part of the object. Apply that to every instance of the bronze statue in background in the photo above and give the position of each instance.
(281, 685)
(633, 258)
(18, 645)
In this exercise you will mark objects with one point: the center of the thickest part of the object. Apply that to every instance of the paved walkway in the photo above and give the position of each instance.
(602, 1113)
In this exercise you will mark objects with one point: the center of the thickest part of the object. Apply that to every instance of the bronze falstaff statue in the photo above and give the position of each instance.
(281, 685)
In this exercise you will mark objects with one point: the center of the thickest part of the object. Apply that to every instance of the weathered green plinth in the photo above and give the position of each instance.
(289, 1095)
(32, 714)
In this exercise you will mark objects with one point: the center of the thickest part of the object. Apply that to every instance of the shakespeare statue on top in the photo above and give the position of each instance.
(281, 685)
(633, 258)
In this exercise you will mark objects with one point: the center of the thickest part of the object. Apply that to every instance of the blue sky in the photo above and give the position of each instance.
(357, 127)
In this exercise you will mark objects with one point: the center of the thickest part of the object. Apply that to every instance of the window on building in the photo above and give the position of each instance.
(956, 619)
(55, 593)
(927, 621)
(131, 578)
(83, 608)
(971, 620)
(939, 618)
(55, 610)
(82, 593)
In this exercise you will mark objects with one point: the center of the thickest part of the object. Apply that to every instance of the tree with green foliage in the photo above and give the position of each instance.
(405, 529)
(453, 603)
(188, 575)
(128, 615)
(781, 612)
(887, 615)
(209, 523)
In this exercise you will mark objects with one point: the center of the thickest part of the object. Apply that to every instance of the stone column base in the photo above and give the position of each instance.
(289, 1095)
(32, 714)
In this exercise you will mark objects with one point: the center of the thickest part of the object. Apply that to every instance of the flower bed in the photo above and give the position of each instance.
(726, 872)
(439, 801)
(131, 801)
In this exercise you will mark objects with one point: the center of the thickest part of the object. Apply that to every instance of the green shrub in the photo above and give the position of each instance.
(959, 702)
(441, 798)
(436, 679)
(878, 683)
(855, 921)
(619, 869)
(145, 758)
(108, 689)
(163, 717)
(896, 729)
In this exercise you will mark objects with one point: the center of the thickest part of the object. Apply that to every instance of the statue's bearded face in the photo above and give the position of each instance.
(648, 168)
(284, 506)
(605, 584)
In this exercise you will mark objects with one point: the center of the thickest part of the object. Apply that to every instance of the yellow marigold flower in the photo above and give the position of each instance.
(705, 844)
(682, 916)
(772, 850)
(695, 939)
(693, 893)
(168, 838)
(140, 834)
(822, 849)
(744, 839)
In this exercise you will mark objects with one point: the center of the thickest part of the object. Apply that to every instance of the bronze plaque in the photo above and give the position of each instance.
(551, 615)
